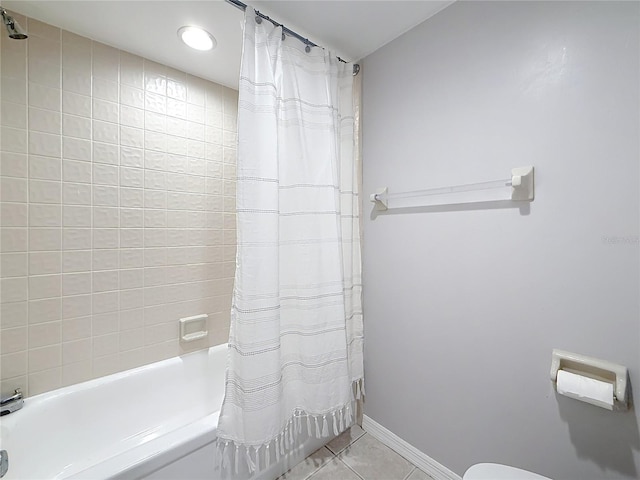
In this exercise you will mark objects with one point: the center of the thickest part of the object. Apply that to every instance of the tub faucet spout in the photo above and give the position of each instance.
(12, 403)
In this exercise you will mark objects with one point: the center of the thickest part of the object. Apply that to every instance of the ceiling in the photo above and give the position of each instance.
(350, 28)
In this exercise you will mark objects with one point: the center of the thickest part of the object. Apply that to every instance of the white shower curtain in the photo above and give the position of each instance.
(295, 346)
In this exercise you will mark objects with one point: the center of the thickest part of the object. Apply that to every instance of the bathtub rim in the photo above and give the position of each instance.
(144, 458)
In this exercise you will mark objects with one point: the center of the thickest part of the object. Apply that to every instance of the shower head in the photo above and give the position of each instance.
(15, 30)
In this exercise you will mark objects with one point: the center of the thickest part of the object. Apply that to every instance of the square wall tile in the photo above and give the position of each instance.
(13, 340)
(45, 239)
(45, 50)
(105, 110)
(76, 261)
(76, 149)
(76, 55)
(44, 334)
(46, 121)
(13, 164)
(14, 90)
(131, 70)
(76, 171)
(14, 214)
(44, 168)
(13, 315)
(13, 265)
(104, 89)
(44, 97)
(76, 126)
(106, 62)
(76, 80)
(14, 140)
(44, 358)
(45, 72)
(13, 289)
(44, 263)
(76, 193)
(43, 215)
(76, 329)
(13, 114)
(76, 103)
(13, 364)
(13, 239)
(42, 191)
(45, 286)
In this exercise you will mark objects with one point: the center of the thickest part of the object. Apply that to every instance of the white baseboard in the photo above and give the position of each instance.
(421, 460)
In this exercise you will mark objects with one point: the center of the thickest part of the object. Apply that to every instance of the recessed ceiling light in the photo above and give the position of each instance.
(197, 38)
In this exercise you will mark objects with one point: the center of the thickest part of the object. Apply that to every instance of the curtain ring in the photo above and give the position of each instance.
(283, 36)
(258, 20)
(307, 48)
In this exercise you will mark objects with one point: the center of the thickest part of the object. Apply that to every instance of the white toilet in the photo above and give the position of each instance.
(494, 471)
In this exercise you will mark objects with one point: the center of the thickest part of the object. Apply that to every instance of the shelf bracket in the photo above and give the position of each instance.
(522, 188)
(379, 198)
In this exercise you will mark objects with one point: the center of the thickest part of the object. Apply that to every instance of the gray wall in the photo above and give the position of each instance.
(463, 305)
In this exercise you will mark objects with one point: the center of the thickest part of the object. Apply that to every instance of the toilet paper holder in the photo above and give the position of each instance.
(594, 368)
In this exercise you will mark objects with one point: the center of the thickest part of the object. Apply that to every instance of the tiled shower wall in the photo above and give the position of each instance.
(118, 209)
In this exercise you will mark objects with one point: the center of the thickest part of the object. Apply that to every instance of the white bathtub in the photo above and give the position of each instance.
(157, 422)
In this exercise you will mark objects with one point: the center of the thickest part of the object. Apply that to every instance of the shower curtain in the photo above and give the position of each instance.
(295, 347)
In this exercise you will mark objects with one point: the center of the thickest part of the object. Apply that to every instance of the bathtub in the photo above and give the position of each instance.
(156, 422)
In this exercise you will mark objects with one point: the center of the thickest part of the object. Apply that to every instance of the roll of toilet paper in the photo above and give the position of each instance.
(585, 389)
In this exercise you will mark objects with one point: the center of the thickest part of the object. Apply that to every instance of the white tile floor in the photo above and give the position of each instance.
(355, 455)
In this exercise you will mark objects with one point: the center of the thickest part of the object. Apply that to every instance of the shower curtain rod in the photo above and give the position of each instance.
(306, 41)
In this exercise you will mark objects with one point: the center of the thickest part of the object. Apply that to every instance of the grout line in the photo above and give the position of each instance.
(28, 228)
(411, 472)
(413, 469)
(60, 263)
(347, 465)
(312, 474)
(119, 208)
(329, 450)
(331, 457)
(308, 477)
(91, 206)
(356, 440)
(349, 444)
